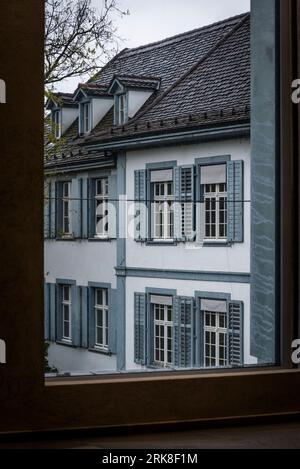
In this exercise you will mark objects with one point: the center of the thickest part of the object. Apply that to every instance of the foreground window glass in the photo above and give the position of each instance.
(160, 228)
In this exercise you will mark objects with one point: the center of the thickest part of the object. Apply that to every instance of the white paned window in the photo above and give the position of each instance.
(85, 118)
(163, 211)
(56, 123)
(215, 339)
(66, 208)
(66, 313)
(163, 335)
(122, 111)
(101, 318)
(215, 200)
(101, 207)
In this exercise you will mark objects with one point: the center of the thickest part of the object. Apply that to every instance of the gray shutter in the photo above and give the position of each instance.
(52, 311)
(76, 207)
(85, 206)
(112, 329)
(140, 311)
(52, 207)
(187, 199)
(140, 195)
(76, 315)
(91, 310)
(183, 317)
(235, 196)
(177, 205)
(47, 210)
(84, 316)
(58, 209)
(47, 311)
(91, 209)
(112, 206)
(235, 333)
(58, 315)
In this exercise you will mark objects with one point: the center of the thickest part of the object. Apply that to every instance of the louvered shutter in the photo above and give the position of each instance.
(184, 203)
(85, 207)
(235, 333)
(52, 311)
(235, 197)
(140, 311)
(112, 206)
(47, 210)
(58, 313)
(46, 311)
(183, 317)
(84, 316)
(140, 195)
(91, 208)
(91, 309)
(112, 323)
(58, 209)
(76, 315)
(52, 207)
(76, 208)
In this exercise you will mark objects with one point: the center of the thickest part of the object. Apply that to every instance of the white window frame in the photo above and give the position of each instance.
(102, 310)
(85, 117)
(66, 305)
(66, 207)
(56, 123)
(213, 360)
(163, 325)
(122, 109)
(163, 211)
(215, 196)
(101, 200)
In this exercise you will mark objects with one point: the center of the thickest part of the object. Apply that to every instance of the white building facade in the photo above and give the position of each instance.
(147, 211)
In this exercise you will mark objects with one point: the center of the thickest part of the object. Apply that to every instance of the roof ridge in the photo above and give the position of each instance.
(170, 39)
(191, 69)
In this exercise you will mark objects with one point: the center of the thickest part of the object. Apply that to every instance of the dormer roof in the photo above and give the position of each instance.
(142, 82)
(60, 100)
(95, 90)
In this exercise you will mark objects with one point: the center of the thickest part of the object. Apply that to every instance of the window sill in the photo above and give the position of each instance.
(65, 343)
(161, 242)
(217, 244)
(100, 351)
(100, 240)
(65, 238)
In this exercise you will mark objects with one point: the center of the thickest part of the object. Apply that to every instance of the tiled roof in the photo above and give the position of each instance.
(204, 80)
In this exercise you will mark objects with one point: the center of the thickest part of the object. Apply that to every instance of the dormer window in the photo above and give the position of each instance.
(85, 118)
(56, 123)
(121, 109)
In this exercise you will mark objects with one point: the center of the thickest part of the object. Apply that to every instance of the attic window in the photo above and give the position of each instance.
(85, 118)
(121, 109)
(56, 123)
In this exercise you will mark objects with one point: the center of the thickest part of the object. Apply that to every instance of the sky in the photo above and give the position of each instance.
(152, 20)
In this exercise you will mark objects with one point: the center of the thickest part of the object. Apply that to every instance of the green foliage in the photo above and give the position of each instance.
(47, 368)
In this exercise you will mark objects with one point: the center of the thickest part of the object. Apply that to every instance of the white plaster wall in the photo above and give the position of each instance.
(191, 257)
(136, 99)
(68, 115)
(82, 261)
(100, 107)
(78, 361)
(239, 292)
